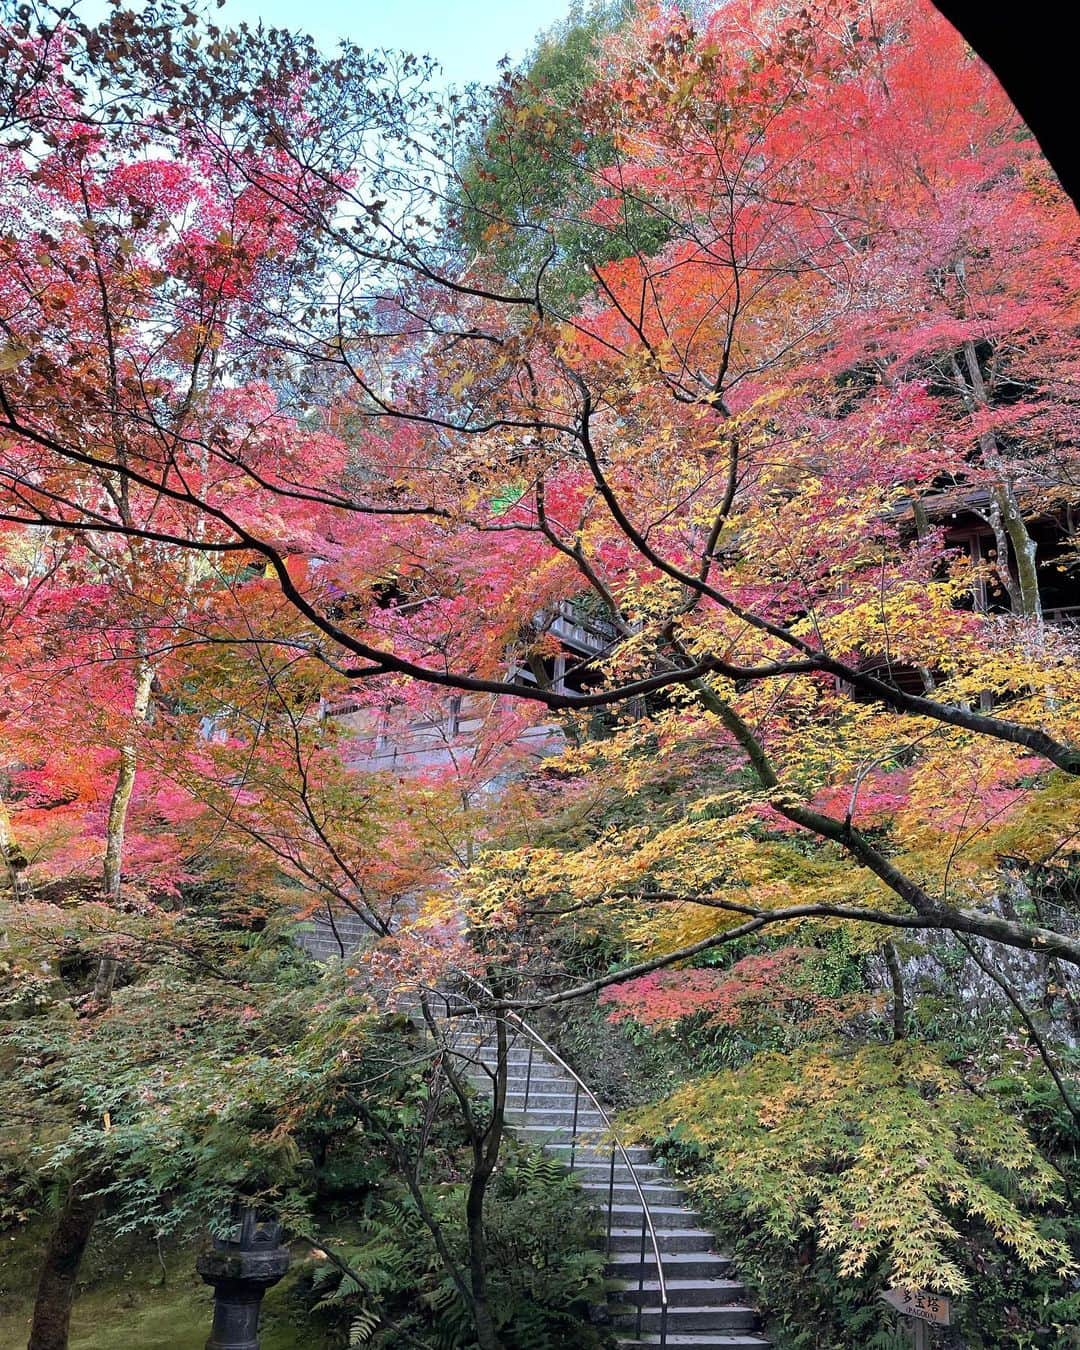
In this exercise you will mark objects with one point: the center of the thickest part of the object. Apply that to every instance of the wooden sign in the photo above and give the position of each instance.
(918, 1303)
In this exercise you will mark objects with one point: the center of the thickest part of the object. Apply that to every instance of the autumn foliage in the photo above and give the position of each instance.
(706, 416)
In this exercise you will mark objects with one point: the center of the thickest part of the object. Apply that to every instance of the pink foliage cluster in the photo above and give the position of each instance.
(760, 990)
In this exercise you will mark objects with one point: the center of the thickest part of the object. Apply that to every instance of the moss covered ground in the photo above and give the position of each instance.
(127, 1300)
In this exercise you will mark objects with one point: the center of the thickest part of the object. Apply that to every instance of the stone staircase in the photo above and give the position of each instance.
(707, 1303)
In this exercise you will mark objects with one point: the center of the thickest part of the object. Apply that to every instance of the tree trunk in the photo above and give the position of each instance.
(1008, 582)
(1024, 593)
(484, 1141)
(1007, 518)
(117, 822)
(125, 782)
(486, 1335)
(899, 1000)
(60, 1270)
(13, 861)
(485, 1155)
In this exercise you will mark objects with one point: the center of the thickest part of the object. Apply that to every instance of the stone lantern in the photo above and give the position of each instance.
(241, 1268)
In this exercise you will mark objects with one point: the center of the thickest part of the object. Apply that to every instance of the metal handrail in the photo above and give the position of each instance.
(647, 1226)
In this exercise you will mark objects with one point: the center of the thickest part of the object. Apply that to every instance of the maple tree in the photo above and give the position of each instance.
(240, 797)
(231, 784)
(770, 287)
(846, 1144)
(254, 386)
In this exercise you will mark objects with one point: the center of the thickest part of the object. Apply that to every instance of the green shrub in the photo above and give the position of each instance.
(545, 1266)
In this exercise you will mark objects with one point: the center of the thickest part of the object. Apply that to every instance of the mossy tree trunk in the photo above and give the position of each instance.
(13, 862)
(485, 1145)
(60, 1269)
(1006, 517)
(118, 813)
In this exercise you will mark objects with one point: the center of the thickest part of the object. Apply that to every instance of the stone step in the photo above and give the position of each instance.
(626, 1193)
(663, 1216)
(587, 1118)
(538, 1087)
(703, 1340)
(515, 1097)
(679, 1239)
(627, 1266)
(517, 1076)
(543, 1092)
(594, 1173)
(553, 1091)
(558, 1106)
(516, 1066)
(598, 1174)
(546, 1092)
(519, 1069)
(518, 1051)
(548, 1087)
(585, 1155)
(683, 1292)
(595, 1181)
(589, 1141)
(703, 1317)
(517, 1062)
(516, 1055)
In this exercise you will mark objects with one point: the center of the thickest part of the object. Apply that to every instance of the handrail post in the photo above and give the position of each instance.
(610, 1197)
(573, 1128)
(663, 1320)
(528, 1079)
(641, 1280)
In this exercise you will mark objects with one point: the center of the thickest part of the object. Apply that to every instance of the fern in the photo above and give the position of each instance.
(542, 1269)
(363, 1326)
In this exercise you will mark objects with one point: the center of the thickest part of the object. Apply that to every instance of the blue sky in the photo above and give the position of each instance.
(467, 36)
